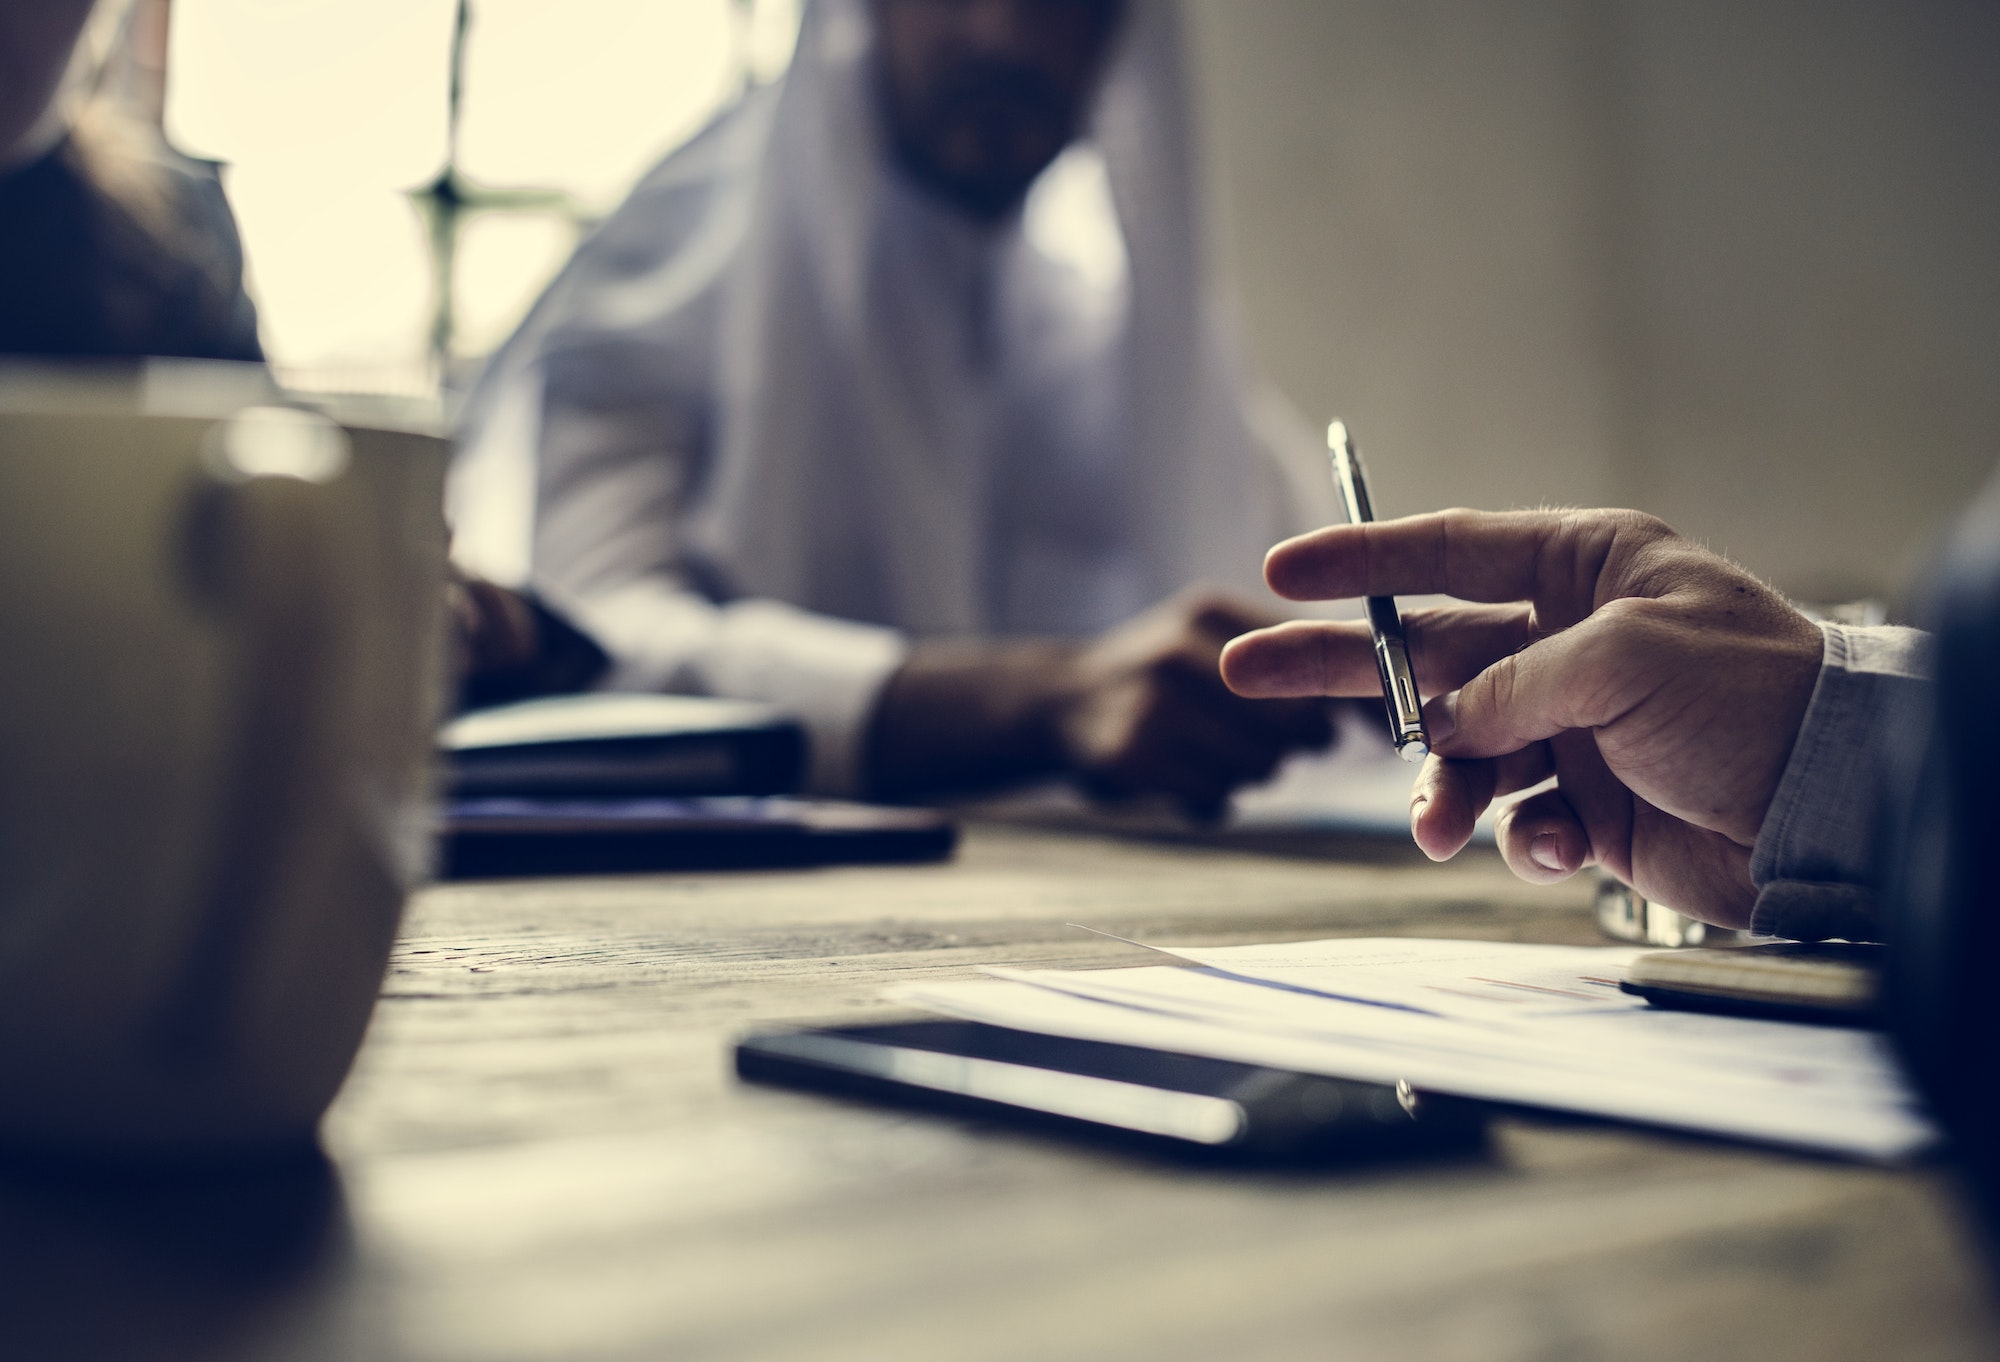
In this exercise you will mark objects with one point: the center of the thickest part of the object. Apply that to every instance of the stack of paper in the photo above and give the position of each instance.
(1543, 1026)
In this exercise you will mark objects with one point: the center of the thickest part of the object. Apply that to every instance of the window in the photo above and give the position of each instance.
(408, 174)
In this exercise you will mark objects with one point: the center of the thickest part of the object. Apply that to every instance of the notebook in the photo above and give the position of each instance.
(499, 838)
(1825, 981)
(608, 745)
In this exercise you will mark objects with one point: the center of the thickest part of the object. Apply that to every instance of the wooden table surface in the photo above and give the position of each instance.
(542, 1155)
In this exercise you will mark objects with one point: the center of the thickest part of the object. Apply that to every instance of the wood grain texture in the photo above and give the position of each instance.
(542, 1155)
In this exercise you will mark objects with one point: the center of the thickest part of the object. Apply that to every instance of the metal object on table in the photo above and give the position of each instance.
(1624, 914)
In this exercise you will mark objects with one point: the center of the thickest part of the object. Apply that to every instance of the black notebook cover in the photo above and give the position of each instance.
(609, 746)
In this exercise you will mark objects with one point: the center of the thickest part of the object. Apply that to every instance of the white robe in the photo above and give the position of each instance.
(784, 411)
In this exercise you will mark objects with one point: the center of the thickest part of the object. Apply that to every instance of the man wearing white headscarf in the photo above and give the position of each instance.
(814, 418)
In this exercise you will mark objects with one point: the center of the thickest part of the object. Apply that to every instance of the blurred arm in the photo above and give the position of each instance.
(615, 450)
(508, 645)
(1139, 710)
(829, 672)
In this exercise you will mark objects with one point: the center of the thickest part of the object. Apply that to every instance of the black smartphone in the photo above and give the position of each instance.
(1169, 1102)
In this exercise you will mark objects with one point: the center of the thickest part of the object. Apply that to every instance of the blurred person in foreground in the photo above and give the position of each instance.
(816, 419)
(111, 245)
(1681, 725)
(112, 248)
(115, 247)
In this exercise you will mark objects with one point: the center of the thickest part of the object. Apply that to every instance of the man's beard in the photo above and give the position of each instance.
(982, 136)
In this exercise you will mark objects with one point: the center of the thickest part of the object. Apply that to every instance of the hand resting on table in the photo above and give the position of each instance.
(1138, 710)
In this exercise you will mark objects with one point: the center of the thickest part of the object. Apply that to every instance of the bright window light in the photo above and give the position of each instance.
(329, 114)
(353, 89)
(504, 262)
(342, 277)
(584, 95)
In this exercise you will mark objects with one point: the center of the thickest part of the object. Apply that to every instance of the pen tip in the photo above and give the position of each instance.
(1336, 434)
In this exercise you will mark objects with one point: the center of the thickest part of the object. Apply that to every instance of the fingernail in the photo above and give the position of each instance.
(1544, 852)
(1417, 808)
(1441, 717)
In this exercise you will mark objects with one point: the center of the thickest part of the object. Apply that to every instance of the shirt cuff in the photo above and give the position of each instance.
(1811, 859)
(827, 672)
(830, 672)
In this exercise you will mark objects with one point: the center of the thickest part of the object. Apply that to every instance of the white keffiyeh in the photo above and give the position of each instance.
(783, 383)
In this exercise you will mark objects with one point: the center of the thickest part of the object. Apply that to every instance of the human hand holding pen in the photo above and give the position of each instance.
(1661, 685)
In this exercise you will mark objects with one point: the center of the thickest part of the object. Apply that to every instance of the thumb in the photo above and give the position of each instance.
(1578, 678)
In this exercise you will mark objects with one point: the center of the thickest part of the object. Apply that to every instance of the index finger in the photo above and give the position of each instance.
(1473, 555)
(1448, 647)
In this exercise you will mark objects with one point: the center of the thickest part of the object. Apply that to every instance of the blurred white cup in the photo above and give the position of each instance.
(220, 658)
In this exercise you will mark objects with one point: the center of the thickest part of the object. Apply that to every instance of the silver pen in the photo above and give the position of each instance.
(1392, 652)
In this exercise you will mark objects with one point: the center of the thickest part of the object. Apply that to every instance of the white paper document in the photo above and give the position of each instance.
(1542, 1026)
(1359, 785)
